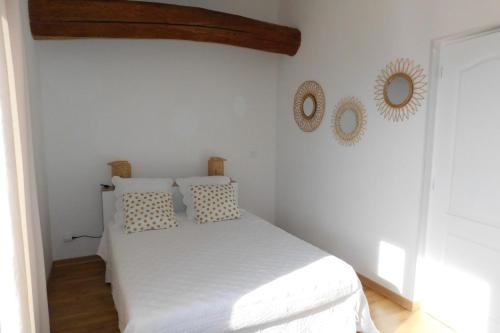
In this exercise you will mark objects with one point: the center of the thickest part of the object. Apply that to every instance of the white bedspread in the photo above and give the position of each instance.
(242, 275)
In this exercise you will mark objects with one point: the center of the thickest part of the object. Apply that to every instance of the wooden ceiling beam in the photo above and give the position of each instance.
(54, 19)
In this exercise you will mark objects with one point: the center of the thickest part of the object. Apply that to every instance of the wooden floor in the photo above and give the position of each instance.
(392, 318)
(80, 301)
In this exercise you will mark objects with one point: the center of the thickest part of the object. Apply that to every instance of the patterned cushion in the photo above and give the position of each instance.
(148, 211)
(214, 203)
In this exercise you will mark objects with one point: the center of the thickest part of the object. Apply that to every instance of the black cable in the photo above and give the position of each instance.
(102, 219)
(85, 236)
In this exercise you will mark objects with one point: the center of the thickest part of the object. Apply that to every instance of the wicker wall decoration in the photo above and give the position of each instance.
(349, 121)
(400, 89)
(309, 106)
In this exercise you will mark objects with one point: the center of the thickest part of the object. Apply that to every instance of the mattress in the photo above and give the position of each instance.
(239, 275)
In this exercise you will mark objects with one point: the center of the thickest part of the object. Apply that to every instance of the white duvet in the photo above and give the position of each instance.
(241, 275)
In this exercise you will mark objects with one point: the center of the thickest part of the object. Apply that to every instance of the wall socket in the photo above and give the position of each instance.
(68, 237)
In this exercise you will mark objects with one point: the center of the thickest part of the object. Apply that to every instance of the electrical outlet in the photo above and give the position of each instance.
(68, 237)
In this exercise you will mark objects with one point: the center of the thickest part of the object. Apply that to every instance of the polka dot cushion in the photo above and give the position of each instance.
(214, 203)
(148, 211)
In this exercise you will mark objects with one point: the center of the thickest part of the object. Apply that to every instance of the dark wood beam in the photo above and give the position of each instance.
(61, 19)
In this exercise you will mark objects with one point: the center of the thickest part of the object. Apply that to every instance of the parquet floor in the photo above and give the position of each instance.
(392, 318)
(80, 302)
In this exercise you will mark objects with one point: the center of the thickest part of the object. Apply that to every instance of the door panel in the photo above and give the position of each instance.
(474, 285)
(474, 193)
(463, 240)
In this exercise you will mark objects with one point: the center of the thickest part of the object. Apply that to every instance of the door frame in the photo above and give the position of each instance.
(435, 73)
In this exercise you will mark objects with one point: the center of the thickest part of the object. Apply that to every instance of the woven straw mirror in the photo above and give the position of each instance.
(400, 89)
(349, 121)
(309, 106)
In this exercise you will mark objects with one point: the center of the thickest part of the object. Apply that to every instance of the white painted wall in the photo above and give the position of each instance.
(168, 105)
(37, 136)
(165, 106)
(350, 200)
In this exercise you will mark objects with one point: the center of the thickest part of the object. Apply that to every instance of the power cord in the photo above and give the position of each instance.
(85, 236)
(103, 186)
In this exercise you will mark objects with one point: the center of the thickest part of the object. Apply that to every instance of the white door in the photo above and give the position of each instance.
(463, 240)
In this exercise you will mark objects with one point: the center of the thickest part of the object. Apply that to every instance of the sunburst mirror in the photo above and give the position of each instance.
(349, 121)
(309, 106)
(400, 89)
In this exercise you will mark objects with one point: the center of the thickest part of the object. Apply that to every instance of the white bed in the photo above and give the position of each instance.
(243, 275)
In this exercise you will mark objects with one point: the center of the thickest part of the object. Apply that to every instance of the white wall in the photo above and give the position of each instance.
(349, 200)
(37, 136)
(168, 105)
(165, 106)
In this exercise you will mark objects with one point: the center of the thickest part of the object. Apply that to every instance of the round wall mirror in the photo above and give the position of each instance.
(400, 89)
(349, 121)
(309, 106)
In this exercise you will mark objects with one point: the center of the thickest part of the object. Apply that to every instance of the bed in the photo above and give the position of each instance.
(243, 275)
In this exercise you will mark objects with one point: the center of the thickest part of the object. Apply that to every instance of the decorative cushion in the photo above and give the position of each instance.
(131, 185)
(214, 203)
(185, 188)
(148, 211)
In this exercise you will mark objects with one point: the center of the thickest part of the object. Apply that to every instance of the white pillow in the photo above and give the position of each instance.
(137, 185)
(185, 188)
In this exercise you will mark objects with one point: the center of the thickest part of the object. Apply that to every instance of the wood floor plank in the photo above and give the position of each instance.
(80, 302)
